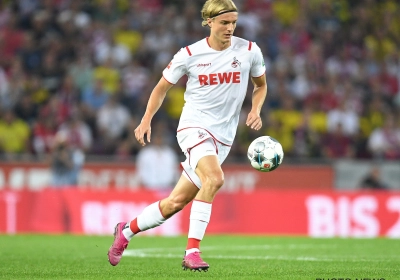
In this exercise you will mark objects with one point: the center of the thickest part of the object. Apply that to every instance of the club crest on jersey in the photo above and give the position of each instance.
(235, 63)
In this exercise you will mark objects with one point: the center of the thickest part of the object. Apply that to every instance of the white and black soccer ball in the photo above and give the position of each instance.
(265, 154)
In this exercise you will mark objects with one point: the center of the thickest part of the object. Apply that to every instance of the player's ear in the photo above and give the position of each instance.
(209, 22)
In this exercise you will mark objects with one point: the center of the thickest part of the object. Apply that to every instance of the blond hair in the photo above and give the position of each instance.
(213, 7)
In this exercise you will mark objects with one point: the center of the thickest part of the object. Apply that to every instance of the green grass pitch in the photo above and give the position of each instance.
(230, 257)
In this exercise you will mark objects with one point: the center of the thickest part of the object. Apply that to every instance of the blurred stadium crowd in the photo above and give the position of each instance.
(87, 68)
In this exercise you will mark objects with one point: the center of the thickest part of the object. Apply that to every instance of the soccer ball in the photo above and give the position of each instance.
(265, 154)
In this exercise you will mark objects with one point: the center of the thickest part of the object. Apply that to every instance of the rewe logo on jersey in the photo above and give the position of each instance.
(219, 78)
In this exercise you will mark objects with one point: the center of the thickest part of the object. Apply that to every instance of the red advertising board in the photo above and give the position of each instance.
(36, 176)
(276, 212)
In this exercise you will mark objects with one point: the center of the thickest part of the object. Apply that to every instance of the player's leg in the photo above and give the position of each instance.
(208, 170)
(158, 212)
(212, 178)
(152, 216)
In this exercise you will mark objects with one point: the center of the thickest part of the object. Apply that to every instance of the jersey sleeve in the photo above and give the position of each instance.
(176, 68)
(257, 66)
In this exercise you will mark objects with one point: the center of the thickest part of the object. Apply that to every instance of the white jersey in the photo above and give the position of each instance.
(217, 84)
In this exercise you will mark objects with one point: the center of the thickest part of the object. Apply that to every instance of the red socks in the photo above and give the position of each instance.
(193, 243)
(134, 226)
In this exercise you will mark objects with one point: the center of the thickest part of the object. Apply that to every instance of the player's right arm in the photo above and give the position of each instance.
(171, 74)
(157, 97)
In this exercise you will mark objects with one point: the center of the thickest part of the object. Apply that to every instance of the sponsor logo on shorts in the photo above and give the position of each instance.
(201, 134)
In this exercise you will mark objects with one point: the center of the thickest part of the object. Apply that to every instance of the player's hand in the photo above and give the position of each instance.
(254, 121)
(143, 129)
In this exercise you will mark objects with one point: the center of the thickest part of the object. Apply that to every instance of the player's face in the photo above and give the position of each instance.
(222, 27)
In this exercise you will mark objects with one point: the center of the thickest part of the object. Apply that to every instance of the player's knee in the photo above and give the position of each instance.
(214, 180)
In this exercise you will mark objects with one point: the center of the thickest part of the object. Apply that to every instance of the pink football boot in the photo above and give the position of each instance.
(194, 262)
(119, 245)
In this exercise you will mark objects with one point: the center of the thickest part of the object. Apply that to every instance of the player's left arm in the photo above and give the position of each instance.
(258, 98)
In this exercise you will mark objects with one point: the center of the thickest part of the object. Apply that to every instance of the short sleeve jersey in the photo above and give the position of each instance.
(217, 84)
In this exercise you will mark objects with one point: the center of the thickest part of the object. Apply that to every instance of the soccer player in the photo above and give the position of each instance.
(218, 68)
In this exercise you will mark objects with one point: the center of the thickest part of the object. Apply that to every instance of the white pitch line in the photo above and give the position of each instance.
(237, 247)
(141, 254)
(263, 247)
(164, 253)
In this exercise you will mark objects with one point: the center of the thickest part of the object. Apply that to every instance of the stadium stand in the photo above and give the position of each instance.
(331, 66)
